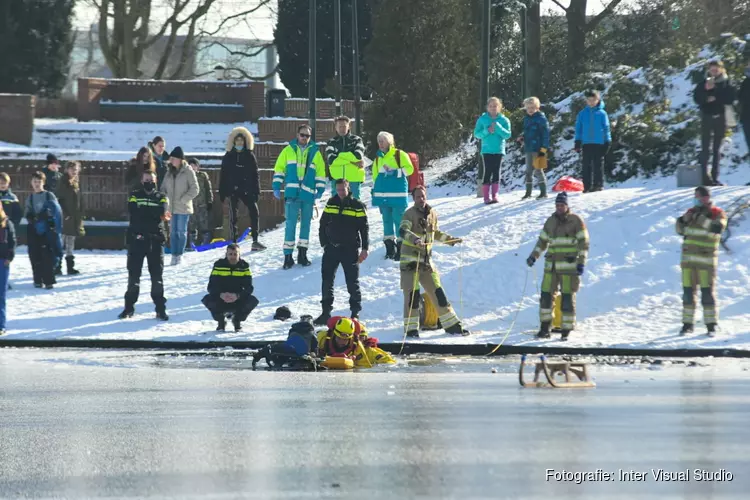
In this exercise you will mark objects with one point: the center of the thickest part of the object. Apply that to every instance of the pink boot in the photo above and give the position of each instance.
(486, 192)
(495, 189)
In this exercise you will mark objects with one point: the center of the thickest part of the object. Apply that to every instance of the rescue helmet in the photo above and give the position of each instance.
(344, 328)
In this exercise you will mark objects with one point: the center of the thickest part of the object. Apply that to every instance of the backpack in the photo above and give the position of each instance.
(417, 177)
(295, 353)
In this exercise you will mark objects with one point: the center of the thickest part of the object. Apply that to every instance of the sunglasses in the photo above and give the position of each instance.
(304, 135)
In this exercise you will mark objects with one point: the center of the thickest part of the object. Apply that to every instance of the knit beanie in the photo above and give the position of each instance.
(562, 198)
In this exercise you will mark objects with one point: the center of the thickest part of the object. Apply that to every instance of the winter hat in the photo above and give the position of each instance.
(51, 159)
(282, 313)
(177, 153)
(562, 198)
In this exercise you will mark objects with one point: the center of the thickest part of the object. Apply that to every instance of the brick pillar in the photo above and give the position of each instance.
(89, 94)
(16, 118)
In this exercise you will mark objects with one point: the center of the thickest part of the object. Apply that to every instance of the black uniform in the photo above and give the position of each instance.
(713, 123)
(343, 229)
(53, 180)
(240, 181)
(228, 278)
(145, 240)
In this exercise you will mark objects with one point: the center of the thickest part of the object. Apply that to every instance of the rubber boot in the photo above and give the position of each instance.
(543, 331)
(686, 328)
(221, 324)
(288, 261)
(565, 334)
(397, 255)
(711, 330)
(486, 193)
(494, 189)
(302, 259)
(542, 192)
(390, 249)
(413, 334)
(528, 192)
(70, 262)
(126, 313)
(457, 329)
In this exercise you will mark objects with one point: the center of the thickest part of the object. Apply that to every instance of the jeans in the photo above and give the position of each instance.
(178, 229)
(4, 274)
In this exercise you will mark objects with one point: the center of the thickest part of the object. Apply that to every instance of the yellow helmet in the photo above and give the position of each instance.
(344, 328)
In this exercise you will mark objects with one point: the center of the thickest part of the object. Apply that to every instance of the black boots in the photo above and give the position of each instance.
(711, 330)
(322, 320)
(390, 249)
(126, 313)
(70, 262)
(528, 192)
(413, 334)
(161, 314)
(543, 192)
(58, 270)
(302, 257)
(288, 262)
(565, 334)
(457, 329)
(237, 325)
(543, 331)
(686, 328)
(397, 255)
(221, 323)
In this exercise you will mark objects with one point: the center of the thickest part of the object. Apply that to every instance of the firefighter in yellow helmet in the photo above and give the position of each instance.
(340, 339)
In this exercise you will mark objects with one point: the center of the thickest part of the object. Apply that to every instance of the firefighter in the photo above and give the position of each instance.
(701, 228)
(345, 154)
(148, 212)
(300, 168)
(340, 339)
(343, 230)
(566, 236)
(230, 290)
(418, 230)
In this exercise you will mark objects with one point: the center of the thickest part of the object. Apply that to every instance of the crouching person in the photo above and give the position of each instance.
(230, 290)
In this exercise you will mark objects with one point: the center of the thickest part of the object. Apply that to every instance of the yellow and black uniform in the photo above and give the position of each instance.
(422, 224)
(343, 230)
(230, 278)
(145, 240)
(566, 240)
(340, 339)
(701, 228)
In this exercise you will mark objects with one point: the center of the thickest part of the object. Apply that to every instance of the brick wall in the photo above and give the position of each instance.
(16, 118)
(55, 108)
(300, 108)
(284, 130)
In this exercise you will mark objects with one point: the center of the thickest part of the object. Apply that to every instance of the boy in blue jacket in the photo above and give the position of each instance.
(593, 137)
(535, 139)
(44, 228)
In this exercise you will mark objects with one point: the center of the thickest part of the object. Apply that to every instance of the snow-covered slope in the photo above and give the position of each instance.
(631, 293)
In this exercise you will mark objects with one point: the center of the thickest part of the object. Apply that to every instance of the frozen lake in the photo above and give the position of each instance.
(121, 424)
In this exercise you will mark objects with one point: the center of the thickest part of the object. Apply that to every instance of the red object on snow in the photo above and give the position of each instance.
(417, 178)
(569, 184)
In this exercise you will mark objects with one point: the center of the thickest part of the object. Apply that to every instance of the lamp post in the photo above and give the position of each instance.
(312, 63)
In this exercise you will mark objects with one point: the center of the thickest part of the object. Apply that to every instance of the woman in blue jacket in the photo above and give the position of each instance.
(493, 129)
(593, 137)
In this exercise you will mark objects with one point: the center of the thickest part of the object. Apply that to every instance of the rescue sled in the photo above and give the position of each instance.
(551, 370)
(219, 243)
(337, 363)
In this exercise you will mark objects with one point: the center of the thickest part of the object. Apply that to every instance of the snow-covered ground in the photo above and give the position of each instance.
(631, 293)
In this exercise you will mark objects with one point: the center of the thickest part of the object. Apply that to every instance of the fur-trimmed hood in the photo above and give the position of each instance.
(249, 142)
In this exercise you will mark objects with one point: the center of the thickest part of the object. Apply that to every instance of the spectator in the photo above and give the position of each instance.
(43, 232)
(390, 191)
(199, 227)
(230, 290)
(9, 200)
(52, 173)
(493, 129)
(713, 95)
(744, 98)
(158, 147)
(536, 142)
(181, 187)
(71, 202)
(7, 252)
(240, 181)
(593, 137)
(345, 154)
(143, 162)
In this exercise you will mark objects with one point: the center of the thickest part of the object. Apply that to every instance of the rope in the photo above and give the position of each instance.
(408, 317)
(515, 317)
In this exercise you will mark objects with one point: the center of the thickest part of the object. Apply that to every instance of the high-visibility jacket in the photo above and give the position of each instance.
(341, 151)
(423, 225)
(229, 278)
(702, 228)
(390, 177)
(566, 240)
(301, 171)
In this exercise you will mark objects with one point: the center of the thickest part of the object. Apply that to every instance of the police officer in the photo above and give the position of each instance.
(148, 211)
(230, 290)
(343, 230)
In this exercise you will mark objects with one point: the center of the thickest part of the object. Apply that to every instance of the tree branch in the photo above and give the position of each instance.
(560, 5)
(238, 52)
(262, 4)
(591, 25)
(178, 8)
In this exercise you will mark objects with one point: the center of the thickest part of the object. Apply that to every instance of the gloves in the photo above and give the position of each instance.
(530, 261)
(542, 152)
(577, 146)
(606, 147)
(277, 193)
(579, 268)
(210, 206)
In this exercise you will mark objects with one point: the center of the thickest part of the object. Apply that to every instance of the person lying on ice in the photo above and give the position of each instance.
(346, 337)
(230, 290)
(419, 229)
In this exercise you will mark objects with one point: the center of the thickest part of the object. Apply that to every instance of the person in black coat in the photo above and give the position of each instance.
(343, 230)
(148, 212)
(240, 181)
(744, 98)
(52, 174)
(7, 252)
(230, 290)
(712, 96)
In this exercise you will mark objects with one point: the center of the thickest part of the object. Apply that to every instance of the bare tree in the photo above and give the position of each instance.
(127, 30)
(578, 27)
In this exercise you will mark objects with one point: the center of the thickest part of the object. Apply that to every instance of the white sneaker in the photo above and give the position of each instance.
(174, 261)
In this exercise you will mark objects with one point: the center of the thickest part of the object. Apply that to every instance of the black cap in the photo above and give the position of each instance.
(177, 153)
(52, 159)
(282, 313)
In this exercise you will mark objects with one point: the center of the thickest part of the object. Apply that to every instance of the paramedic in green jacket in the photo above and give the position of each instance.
(345, 154)
(302, 172)
(390, 191)
(493, 129)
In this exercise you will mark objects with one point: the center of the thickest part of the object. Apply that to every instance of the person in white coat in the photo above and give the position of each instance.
(181, 186)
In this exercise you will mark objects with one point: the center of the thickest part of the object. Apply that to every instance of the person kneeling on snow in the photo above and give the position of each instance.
(230, 290)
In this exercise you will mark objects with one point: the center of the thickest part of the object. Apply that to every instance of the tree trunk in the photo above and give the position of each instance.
(576, 57)
(534, 50)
